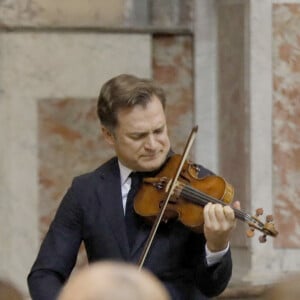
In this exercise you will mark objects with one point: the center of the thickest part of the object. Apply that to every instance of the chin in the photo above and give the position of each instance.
(148, 164)
(153, 165)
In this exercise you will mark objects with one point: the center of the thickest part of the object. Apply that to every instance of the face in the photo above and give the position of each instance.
(140, 140)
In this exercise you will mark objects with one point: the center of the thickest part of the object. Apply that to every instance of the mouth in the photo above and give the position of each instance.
(158, 155)
(152, 153)
(150, 156)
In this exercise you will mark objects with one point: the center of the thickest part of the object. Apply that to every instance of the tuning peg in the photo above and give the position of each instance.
(262, 238)
(259, 212)
(267, 228)
(250, 232)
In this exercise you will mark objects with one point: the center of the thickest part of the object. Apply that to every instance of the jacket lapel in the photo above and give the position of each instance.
(109, 193)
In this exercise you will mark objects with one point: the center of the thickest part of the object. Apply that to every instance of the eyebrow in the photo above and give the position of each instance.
(143, 133)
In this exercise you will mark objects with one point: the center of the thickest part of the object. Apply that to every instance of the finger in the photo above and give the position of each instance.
(229, 213)
(219, 213)
(237, 204)
(207, 213)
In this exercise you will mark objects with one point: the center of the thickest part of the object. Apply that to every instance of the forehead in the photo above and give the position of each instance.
(142, 117)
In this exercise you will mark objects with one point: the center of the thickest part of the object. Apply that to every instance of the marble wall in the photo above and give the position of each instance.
(173, 69)
(286, 122)
(69, 144)
(53, 60)
(55, 14)
(233, 106)
(49, 82)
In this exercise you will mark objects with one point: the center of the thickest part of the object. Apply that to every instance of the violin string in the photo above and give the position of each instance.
(196, 195)
(239, 214)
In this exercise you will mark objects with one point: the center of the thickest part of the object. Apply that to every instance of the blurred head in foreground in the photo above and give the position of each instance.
(287, 288)
(113, 281)
(9, 292)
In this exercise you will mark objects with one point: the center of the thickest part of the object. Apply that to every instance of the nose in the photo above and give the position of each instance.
(150, 142)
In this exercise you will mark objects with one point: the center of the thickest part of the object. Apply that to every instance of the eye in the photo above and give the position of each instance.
(138, 136)
(159, 130)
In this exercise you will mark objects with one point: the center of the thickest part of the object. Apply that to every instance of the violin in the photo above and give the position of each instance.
(191, 194)
(177, 192)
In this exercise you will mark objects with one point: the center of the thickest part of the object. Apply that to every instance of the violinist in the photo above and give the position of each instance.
(97, 208)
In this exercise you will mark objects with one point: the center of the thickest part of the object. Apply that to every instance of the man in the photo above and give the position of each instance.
(191, 265)
(113, 281)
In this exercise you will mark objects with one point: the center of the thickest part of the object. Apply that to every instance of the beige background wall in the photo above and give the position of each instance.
(39, 71)
(230, 66)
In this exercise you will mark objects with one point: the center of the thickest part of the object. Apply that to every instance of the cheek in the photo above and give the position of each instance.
(132, 146)
(165, 140)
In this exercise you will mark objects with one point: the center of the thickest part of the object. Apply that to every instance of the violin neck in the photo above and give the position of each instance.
(197, 197)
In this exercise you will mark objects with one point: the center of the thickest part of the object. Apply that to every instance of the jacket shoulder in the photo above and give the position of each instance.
(100, 172)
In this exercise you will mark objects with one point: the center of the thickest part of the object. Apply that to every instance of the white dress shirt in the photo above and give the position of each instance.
(125, 183)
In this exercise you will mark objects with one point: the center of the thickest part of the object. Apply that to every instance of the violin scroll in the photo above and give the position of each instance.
(267, 228)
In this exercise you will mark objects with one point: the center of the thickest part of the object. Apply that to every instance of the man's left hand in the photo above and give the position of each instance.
(219, 222)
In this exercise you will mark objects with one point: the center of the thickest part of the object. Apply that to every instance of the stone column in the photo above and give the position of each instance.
(205, 56)
(248, 49)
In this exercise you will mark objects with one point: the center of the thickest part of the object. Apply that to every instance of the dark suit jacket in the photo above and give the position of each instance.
(92, 212)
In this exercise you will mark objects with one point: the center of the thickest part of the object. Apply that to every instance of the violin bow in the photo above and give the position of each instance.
(172, 187)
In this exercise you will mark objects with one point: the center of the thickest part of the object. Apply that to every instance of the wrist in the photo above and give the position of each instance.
(216, 247)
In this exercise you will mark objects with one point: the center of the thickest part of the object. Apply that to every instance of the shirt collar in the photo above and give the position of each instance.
(124, 172)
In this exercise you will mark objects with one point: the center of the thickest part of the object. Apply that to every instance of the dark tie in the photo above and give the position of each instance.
(131, 218)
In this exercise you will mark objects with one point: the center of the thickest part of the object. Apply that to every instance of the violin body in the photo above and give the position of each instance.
(186, 203)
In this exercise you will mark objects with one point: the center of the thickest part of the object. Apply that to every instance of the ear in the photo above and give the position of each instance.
(108, 136)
